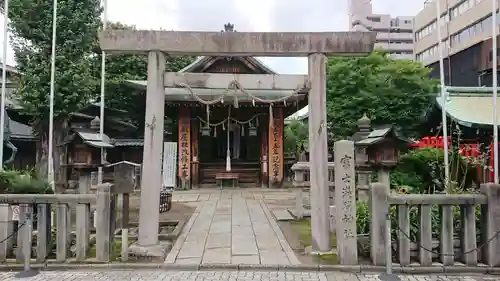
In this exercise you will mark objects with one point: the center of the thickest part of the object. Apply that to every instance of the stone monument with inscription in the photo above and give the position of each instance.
(345, 201)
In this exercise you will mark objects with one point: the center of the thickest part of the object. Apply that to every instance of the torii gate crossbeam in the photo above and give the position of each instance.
(269, 44)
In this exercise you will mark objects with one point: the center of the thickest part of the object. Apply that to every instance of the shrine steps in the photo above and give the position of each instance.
(249, 173)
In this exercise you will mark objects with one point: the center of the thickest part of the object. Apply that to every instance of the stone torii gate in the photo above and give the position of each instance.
(157, 44)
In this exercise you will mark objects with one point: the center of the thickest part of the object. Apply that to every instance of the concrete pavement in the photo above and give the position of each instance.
(230, 227)
(162, 275)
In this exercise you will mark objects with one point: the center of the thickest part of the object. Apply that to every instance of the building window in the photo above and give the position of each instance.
(425, 31)
(463, 7)
(432, 51)
(454, 12)
(472, 31)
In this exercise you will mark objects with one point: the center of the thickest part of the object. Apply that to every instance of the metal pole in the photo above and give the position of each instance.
(388, 248)
(4, 77)
(495, 90)
(51, 99)
(443, 99)
(27, 239)
(103, 89)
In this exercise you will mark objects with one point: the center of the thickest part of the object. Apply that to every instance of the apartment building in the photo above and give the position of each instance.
(466, 31)
(395, 35)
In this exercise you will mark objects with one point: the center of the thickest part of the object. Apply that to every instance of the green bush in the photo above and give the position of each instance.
(362, 217)
(422, 170)
(23, 182)
(6, 179)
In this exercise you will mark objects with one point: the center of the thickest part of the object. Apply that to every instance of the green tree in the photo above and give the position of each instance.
(296, 134)
(77, 25)
(121, 67)
(78, 69)
(389, 91)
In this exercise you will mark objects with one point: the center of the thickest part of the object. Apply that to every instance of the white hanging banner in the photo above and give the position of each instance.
(169, 164)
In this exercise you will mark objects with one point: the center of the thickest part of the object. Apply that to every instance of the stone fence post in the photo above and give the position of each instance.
(379, 206)
(44, 228)
(83, 219)
(6, 228)
(491, 251)
(104, 224)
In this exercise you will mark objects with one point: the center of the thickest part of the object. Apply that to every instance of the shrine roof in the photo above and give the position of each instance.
(93, 138)
(183, 94)
(20, 131)
(128, 142)
(205, 60)
(17, 130)
(381, 133)
(469, 109)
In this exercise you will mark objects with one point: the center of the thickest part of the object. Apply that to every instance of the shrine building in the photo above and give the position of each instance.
(232, 130)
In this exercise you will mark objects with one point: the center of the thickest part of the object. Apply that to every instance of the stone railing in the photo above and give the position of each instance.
(470, 252)
(301, 180)
(301, 177)
(67, 207)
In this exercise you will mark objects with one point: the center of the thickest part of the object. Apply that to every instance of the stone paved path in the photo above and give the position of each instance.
(162, 275)
(230, 227)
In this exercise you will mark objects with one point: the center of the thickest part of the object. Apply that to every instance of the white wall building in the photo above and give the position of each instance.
(395, 35)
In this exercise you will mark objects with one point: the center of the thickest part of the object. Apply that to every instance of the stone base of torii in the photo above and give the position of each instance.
(315, 45)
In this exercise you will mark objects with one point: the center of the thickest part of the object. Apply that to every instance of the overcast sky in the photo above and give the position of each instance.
(247, 15)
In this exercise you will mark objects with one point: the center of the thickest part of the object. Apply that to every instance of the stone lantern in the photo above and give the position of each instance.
(382, 148)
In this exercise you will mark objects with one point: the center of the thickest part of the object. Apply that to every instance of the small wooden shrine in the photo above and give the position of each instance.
(85, 145)
(379, 147)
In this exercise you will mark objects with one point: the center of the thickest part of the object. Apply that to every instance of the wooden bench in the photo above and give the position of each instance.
(220, 178)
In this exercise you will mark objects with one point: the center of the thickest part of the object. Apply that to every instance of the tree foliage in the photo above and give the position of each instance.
(31, 26)
(389, 91)
(296, 134)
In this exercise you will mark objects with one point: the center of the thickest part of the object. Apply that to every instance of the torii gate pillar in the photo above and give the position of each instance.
(318, 155)
(151, 176)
